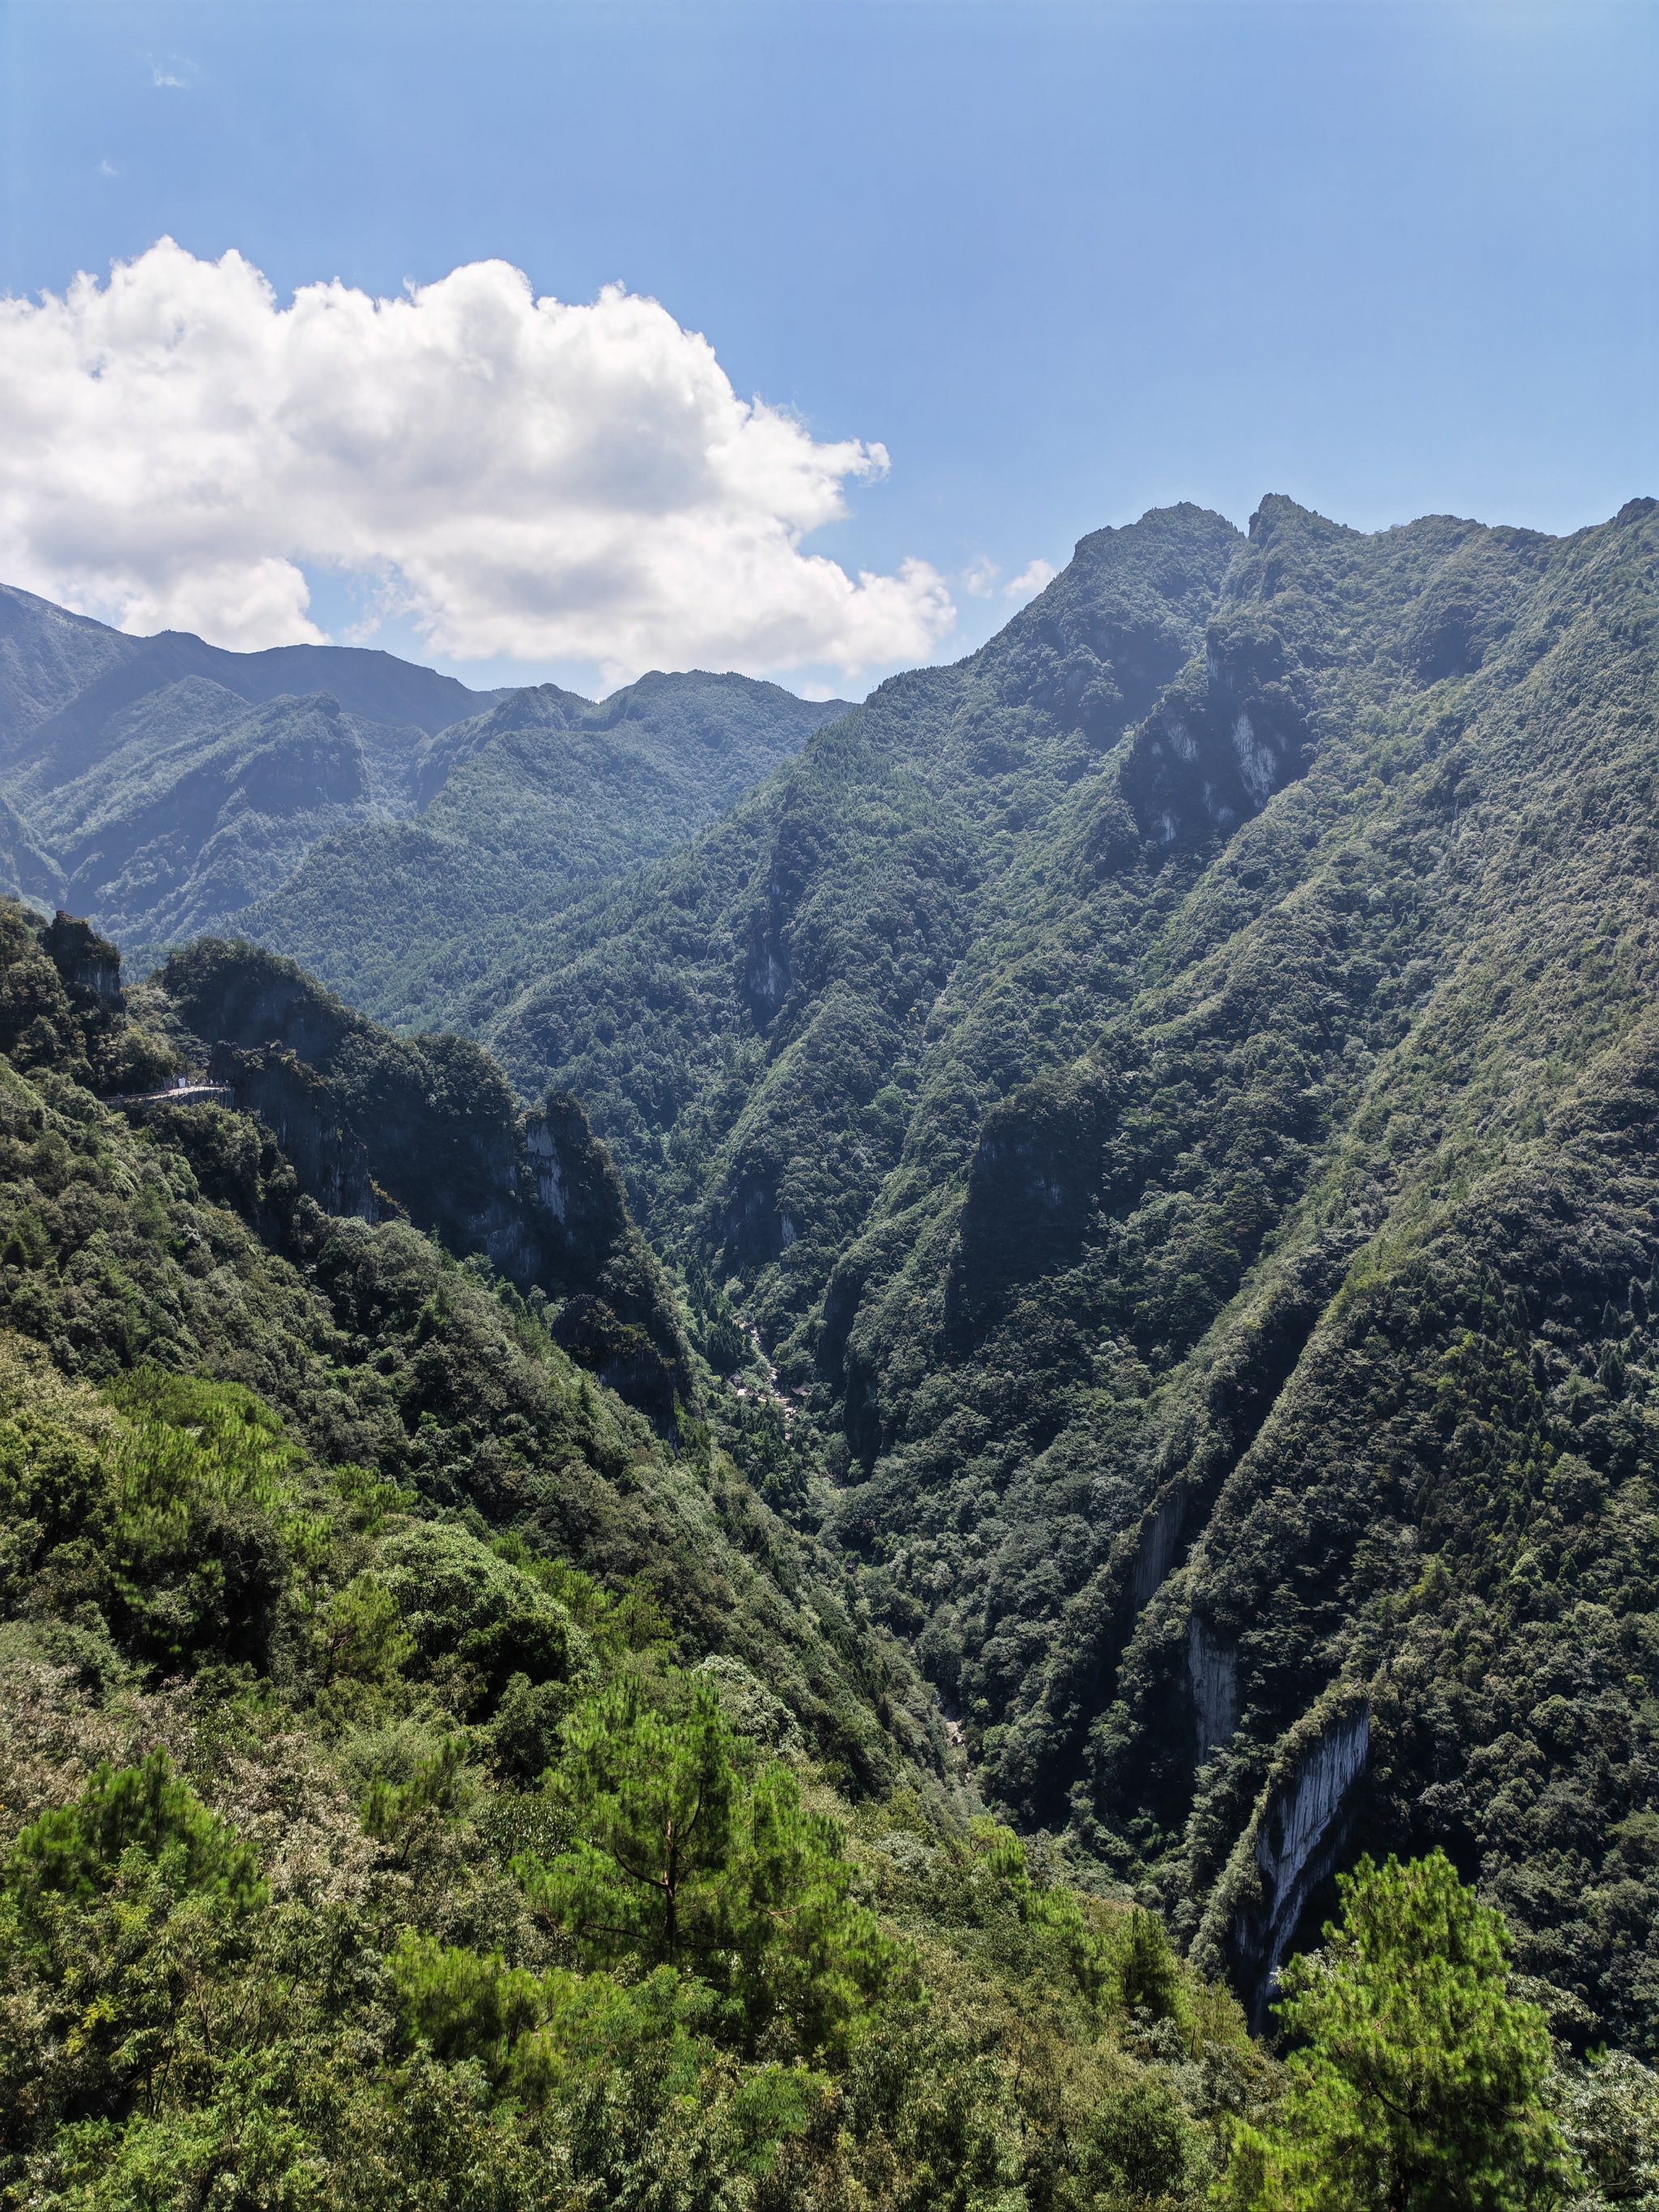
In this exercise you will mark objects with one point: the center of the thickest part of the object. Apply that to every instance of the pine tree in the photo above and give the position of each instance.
(1416, 2086)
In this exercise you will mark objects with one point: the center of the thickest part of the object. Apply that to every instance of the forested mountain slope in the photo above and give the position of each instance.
(162, 786)
(780, 980)
(524, 810)
(418, 1782)
(185, 1236)
(1179, 1089)
(427, 1129)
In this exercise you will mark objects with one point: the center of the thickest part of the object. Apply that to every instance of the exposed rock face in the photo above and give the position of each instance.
(1297, 1836)
(299, 1109)
(767, 970)
(376, 1125)
(752, 1226)
(1222, 740)
(1212, 1669)
(87, 963)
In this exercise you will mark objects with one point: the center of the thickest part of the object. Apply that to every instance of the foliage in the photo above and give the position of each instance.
(1155, 1135)
(1174, 1096)
(1610, 2111)
(524, 810)
(1417, 2080)
(164, 786)
(684, 1853)
(357, 1651)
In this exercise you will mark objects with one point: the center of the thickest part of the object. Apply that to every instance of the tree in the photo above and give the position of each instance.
(126, 1921)
(1416, 2086)
(686, 1852)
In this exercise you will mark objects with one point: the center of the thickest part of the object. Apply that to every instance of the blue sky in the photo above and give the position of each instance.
(1063, 261)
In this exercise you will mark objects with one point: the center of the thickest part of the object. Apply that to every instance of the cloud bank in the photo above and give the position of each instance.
(519, 477)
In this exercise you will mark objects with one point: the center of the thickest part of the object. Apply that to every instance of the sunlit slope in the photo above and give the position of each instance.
(1175, 1089)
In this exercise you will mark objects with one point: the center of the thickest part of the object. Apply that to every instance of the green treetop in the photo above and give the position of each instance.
(686, 1852)
(1416, 2084)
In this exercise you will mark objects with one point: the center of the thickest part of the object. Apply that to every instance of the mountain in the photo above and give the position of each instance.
(427, 1130)
(64, 679)
(524, 810)
(420, 1782)
(164, 788)
(1174, 1093)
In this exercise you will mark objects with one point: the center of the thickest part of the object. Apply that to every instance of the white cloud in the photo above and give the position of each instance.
(173, 76)
(979, 577)
(519, 477)
(1030, 579)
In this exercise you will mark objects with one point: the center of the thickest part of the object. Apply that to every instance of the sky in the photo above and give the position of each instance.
(801, 335)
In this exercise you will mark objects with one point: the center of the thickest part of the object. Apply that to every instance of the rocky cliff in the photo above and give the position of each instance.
(374, 1125)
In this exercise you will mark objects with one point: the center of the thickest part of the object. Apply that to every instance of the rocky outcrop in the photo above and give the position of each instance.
(1291, 1845)
(376, 1125)
(300, 1110)
(1213, 1672)
(1222, 741)
(798, 848)
(89, 964)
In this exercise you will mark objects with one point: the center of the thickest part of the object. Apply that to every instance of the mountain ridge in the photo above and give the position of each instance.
(1047, 1066)
(1171, 1094)
(162, 785)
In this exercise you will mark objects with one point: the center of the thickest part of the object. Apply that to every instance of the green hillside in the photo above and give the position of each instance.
(1046, 1336)
(164, 787)
(1173, 1093)
(355, 1646)
(524, 810)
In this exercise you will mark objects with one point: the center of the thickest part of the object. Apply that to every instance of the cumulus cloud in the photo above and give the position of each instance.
(519, 477)
(1030, 579)
(979, 577)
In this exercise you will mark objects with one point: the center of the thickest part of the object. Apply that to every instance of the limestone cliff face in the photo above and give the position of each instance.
(1213, 1670)
(1223, 740)
(89, 964)
(1291, 1845)
(376, 1125)
(298, 1107)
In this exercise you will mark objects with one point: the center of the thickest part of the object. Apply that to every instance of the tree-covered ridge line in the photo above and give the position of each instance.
(185, 1241)
(162, 786)
(426, 1129)
(416, 1784)
(1361, 1444)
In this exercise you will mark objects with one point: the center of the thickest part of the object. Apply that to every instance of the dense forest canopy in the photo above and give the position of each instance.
(382, 821)
(422, 1781)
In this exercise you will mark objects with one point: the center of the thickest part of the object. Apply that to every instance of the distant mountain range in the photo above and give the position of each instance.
(161, 786)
